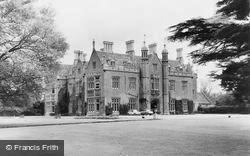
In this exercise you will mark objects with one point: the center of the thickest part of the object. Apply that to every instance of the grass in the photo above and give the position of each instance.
(191, 135)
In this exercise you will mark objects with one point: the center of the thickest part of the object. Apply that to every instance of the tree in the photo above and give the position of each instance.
(30, 47)
(224, 39)
(17, 86)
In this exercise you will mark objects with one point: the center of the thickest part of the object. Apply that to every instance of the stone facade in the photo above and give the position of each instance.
(73, 77)
(143, 82)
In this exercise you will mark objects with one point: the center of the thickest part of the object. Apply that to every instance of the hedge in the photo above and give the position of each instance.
(224, 109)
(123, 109)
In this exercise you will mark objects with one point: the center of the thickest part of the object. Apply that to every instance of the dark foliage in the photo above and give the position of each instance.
(223, 40)
(123, 109)
(190, 107)
(8, 111)
(36, 110)
(154, 103)
(17, 87)
(143, 104)
(236, 78)
(108, 110)
(39, 107)
(63, 100)
(84, 108)
(30, 112)
(236, 8)
(223, 110)
(226, 100)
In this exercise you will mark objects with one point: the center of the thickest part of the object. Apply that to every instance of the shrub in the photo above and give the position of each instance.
(154, 103)
(108, 110)
(123, 109)
(52, 114)
(39, 107)
(30, 112)
(158, 112)
(8, 111)
(143, 104)
(84, 108)
(190, 107)
(222, 109)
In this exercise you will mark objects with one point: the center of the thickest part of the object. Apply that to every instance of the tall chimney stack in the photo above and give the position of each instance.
(130, 47)
(108, 46)
(179, 55)
(79, 56)
(152, 48)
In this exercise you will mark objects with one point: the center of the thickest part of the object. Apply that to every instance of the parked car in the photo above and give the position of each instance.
(147, 112)
(134, 112)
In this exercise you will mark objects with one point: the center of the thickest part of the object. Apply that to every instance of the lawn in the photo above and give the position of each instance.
(204, 135)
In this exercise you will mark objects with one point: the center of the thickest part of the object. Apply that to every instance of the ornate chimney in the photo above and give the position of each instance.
(108, 46)
(130, 47)
(179, 55)
(79, 56)
(152, 48)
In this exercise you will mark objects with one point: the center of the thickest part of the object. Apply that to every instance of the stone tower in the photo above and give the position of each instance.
(165, 96)
(145, 77)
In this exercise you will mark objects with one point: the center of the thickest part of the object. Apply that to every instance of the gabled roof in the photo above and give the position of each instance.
(174, 63)
(120, 59)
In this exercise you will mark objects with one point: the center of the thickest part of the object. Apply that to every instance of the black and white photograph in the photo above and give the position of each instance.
(124, 78)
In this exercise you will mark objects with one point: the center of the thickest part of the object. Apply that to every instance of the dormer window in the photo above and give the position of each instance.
(112, 63)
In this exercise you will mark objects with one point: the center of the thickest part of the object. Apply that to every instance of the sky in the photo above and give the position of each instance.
(81, 21)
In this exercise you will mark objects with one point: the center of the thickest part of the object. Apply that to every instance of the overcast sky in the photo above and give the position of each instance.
(81, 21)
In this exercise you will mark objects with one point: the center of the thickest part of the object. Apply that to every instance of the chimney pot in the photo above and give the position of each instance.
(179, 54)
(130, 47)
(108, 46)
(152, 48)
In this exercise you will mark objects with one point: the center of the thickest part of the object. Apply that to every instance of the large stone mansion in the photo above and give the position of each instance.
(113, 79)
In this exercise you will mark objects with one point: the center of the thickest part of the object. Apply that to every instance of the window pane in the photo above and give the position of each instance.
(132, 83)
(94, 65)
(115, 82)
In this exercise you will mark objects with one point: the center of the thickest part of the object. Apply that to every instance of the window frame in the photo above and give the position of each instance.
(115, 103)
(132, 103)
(115, 82)
(184, 85)
(132, 83)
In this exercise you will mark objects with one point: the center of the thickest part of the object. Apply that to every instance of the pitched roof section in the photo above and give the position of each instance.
(174, 63)
(104, 56)
(119, 58)
(122, 62)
